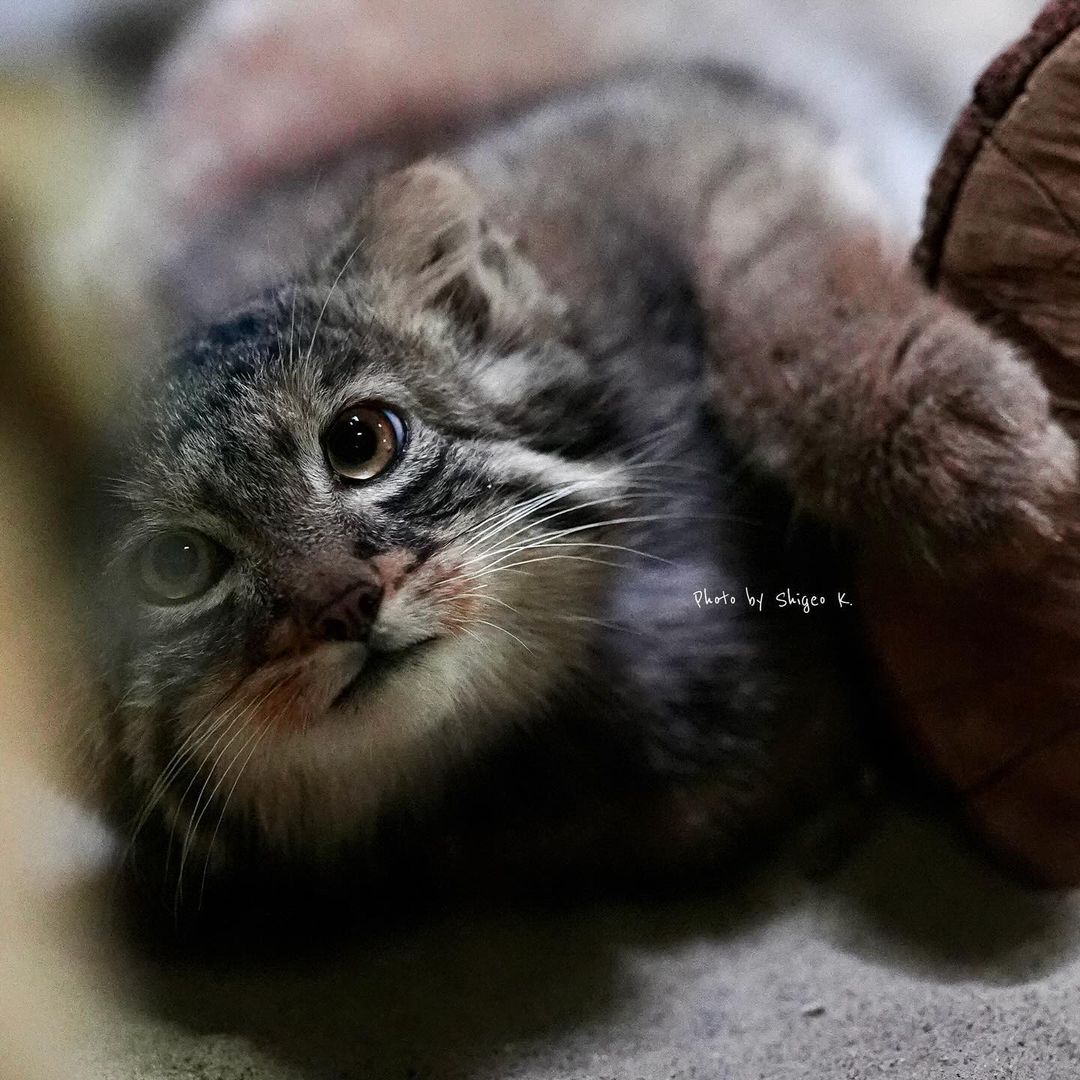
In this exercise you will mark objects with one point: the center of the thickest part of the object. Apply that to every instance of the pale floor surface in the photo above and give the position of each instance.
(915, 962)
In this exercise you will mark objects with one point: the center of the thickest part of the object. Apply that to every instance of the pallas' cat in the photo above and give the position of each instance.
(401, 557)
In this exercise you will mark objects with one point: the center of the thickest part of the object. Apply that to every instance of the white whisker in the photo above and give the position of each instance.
(329, 296)
(228, 797)
(232, 732)
(496, 626)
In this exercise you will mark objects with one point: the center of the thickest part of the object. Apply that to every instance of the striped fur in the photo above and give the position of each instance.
(547, 307)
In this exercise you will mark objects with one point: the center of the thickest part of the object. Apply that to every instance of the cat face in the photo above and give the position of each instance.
(352, 536)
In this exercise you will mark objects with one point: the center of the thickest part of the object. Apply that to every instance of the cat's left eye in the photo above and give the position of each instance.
(364, 440)
(179, 566)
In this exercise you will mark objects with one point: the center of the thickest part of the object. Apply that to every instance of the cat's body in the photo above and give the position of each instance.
(697, 335)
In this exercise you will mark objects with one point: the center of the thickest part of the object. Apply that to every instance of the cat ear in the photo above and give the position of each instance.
(427, 229)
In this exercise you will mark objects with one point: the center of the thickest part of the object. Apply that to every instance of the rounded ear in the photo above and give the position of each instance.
(427, 230)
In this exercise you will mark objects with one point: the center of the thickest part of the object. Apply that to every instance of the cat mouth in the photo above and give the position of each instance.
(379, 665)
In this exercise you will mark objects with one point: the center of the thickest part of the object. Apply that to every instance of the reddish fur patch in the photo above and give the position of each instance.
(287, 637)
(273, 695)
(392, 569)
(452, 593)
(279, 701)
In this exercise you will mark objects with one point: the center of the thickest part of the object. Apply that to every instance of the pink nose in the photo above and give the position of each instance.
(349, 616)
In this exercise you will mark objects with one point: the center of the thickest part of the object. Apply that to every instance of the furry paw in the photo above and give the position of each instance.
(974, 453)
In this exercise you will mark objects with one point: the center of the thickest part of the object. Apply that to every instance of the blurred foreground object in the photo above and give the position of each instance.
(257, 87)
(257, 93)
(987, 672)
(53, 379)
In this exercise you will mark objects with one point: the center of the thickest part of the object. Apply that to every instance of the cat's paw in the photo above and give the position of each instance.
(974, 455)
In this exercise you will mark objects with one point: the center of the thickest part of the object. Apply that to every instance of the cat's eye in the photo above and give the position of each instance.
(363, 441)
(179, 566)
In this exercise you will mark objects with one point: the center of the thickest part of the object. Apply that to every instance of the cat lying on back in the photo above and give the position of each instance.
(405, 549)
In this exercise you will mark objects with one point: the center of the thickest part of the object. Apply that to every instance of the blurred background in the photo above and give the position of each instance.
(132, 131)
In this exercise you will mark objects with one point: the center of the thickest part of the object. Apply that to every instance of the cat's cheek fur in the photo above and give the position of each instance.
(397, 739)
(294, 694)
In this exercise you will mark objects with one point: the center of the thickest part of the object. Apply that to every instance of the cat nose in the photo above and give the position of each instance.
(350, 616)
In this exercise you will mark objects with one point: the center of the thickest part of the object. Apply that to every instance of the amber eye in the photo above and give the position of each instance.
(179, 566)
(363, 441)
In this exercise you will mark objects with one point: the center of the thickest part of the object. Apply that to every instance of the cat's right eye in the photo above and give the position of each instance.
(179, 566)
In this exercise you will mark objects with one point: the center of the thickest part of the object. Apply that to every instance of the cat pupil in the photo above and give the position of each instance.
(177, 559)
(354, 441)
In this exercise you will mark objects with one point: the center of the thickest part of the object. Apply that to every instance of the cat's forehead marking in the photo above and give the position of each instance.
(252, 330)
(237, 414)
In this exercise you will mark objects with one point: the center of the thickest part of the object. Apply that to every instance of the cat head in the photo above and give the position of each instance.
(350, 538)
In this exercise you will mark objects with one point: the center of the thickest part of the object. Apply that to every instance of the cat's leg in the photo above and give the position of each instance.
(877, 403)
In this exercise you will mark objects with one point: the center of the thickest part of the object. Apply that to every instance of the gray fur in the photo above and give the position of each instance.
(548, 306)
